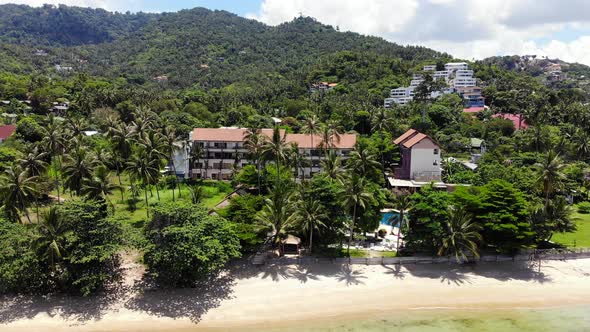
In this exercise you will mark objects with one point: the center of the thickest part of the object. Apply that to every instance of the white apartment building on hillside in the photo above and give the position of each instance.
(456, 74)
(456, 66)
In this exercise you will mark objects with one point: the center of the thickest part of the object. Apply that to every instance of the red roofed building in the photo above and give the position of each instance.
(517, 120)
(6, 131)
(224, 150)
(420, 157)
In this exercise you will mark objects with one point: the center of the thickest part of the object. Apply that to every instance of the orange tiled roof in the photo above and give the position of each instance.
(405, 136)
(347, 141)
(414, 140)
(410, 138)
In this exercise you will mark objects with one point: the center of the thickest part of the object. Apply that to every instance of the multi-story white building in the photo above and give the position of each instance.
(462, 82)
(456, 66)
(224, 153)
(456, 74)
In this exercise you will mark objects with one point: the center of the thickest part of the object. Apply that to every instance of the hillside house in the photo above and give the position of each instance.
(420, 157)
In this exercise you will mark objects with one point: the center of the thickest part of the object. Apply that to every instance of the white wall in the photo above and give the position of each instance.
(423, 159)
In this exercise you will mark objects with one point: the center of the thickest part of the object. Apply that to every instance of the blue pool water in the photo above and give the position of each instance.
(386, 218)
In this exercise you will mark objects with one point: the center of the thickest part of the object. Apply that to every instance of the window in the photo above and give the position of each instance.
(435, 151)
(435, 163)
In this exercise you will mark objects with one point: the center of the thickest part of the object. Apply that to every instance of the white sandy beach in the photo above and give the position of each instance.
(287, 295)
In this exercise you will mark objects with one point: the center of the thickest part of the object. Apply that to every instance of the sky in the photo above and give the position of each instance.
(467, 29)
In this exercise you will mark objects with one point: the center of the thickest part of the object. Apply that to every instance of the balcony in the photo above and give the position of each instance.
(426, 176)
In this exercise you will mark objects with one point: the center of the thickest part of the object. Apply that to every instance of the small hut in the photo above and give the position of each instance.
(290, 245)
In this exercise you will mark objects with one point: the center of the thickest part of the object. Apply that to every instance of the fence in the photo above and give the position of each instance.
(525, 255)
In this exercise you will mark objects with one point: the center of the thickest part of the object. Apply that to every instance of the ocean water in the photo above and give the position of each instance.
(564, 319)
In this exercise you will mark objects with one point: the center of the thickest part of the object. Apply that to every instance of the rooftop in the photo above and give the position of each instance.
(7, 131)
(411, 138)
(228, 134)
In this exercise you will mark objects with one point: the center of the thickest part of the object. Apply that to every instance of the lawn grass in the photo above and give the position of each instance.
(580, 238)
(214, 192)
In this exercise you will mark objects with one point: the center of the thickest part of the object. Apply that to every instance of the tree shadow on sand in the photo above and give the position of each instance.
(396, 271)
(349, 276)
(190, 303)
(74, 309)
(460, 274)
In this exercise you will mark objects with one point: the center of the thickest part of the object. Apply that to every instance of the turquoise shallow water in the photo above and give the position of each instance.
(565, 319)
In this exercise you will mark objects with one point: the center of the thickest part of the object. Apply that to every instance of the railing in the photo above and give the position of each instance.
(427, 176)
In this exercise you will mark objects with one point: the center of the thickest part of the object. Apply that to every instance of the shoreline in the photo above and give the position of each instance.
(285, 296)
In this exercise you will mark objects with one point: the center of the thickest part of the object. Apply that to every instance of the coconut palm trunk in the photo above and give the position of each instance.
(351, 230)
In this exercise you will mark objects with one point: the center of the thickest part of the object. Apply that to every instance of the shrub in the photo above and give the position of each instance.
(584, 207)
(186, 244)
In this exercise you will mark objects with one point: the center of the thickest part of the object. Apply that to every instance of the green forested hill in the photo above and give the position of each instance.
(65, 26)
(198, 46)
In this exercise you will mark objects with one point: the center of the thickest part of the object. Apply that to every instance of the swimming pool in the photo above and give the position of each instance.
(386, 218)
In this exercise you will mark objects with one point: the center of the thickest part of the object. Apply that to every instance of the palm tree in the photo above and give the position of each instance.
(141, 169)
(78, 167)
(49, 244)
(582, 141)
(169, 140)
(295, 160)
(332, 166)
(308, 214)
(53, 141)
(196, 152)
(334, 131)
(142, 124)
(276, 213)
(403, 203)
(154, 148)
(311, 126)
(559, 215)
(75, 126)
(17, 188)
(551, 176)
(99, 185)
(276, 148)
(122, 139)
(363, 162)
(255, 142)
(354, 197)
(461, 236)
(34, 161)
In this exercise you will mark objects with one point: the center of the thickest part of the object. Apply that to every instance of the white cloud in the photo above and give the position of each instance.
(465, 28)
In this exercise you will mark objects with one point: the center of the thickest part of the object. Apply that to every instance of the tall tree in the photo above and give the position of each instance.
(169, 144)
(255, 142)
(551, 176)
(79, 166)
(54, 142)
(309, 214)
(277, 213)
(354, 197)
(17, 189)
(34, 162)
(461, 236)
(141, 169)
(276, 148)
(51, 239)
(311, 126)
(99, 185)
(403, 203)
